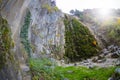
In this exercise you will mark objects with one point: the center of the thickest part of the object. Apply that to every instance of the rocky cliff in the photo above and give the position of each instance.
(36, 29)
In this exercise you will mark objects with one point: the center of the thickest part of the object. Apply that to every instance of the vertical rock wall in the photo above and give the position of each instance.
(47, 28)
(45, 34)
(14, 11)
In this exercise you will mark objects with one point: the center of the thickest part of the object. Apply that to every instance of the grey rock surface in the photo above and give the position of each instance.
(46, 34)
(46, 29)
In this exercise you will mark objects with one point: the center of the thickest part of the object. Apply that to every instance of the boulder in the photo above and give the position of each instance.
(118, 62)
(65, 79)
(100, 57)
(110, 78)
(115, 48)
(115, 54)
(24, 68)
(117, 70)
(105, 51)
(70, 71)
(94, 59)
(110, 47)
(91, 66)
(101, 61)
(116, 75)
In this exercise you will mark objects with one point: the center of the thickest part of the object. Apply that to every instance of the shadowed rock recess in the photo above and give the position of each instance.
(38, 29)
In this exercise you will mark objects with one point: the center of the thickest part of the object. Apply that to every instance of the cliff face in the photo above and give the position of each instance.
(44, 33)
(47, 28)
(36, 29)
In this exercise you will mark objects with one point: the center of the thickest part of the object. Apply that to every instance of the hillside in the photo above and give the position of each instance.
(79, 42)
(38, 41)
(105, 28)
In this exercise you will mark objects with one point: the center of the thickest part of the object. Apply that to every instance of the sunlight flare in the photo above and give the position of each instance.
(104, 13)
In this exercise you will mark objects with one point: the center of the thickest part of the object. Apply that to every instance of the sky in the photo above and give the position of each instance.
(67, 5)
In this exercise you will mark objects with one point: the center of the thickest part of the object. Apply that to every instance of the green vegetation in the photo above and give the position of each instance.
(56, 51)
(55, 8)
(113, 32)
(111, 29)
(82, 73)
(50, 8)
(0, 1)
(24, 34)
(79, 42)
(106, 28)
(44, 69)
(5, 42)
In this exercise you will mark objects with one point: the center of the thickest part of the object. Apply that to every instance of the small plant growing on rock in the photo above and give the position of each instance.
(50, 8)
(24, 34)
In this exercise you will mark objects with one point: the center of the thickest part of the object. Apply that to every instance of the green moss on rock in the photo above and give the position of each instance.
(0, 1)
(50, 8)
(79, 42)
(5, 42)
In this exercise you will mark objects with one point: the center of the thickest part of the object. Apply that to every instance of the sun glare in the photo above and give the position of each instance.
(104, 12)
(88, 4)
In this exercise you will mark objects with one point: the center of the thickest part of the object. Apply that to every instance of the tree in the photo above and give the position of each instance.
(72, 11)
